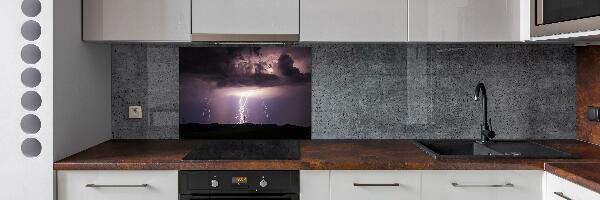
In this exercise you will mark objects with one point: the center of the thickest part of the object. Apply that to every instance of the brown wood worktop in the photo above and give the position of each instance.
(584, 174)
(315, 154)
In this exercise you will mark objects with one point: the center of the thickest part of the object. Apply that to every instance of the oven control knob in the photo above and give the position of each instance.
(263, 183)
(214, 183)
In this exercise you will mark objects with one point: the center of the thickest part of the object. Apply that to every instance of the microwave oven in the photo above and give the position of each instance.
(553, 17)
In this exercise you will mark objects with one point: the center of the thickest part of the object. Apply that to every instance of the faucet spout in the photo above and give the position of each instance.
(480, 94)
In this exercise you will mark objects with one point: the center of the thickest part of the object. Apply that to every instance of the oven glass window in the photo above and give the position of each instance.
(240, 197)
(554, 11)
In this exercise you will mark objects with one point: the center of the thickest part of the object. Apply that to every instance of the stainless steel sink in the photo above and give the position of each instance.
(469, 149)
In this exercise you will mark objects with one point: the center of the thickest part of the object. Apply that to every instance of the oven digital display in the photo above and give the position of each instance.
(239, 180)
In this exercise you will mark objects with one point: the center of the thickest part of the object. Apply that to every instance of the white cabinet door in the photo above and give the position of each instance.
(482, 185)
(560, 189)
(375, 185)
(353, 20)
(245, 20)
(117, 185)
(314, 185)
(136, 20)
(468, 21)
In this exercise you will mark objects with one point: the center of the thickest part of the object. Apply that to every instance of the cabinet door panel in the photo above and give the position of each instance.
(117, 185)
(468, 21)
(482, 185)
(245, 16)
(558, 189)
(354, 20)
(314, 185)
(136, 20)
(385, 185)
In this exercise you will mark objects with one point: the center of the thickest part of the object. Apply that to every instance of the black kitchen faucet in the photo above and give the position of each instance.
(487, 134)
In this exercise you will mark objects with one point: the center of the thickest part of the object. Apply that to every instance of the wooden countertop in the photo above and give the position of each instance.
(584, 174)
(331, 155)
(314, 155)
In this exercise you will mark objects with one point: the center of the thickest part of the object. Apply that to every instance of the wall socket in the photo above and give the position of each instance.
(135, 112)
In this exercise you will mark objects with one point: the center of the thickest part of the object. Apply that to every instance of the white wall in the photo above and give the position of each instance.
(82, 107)
(77, 74)
(23, 177)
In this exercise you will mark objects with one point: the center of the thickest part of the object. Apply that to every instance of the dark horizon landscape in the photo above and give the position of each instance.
(243, 131)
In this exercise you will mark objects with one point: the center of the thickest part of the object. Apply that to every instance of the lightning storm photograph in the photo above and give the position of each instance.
(245, 92)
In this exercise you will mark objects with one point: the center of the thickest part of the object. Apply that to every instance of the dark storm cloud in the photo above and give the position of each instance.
(209, 61)
(233, 66)
(285, 66)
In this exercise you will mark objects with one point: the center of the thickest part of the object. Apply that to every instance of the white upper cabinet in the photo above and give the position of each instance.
(245, 20)
(468, 20)
(136, 20)
(354, 20)
(307, 20)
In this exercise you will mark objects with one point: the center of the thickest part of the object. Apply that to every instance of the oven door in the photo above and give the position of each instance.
(240, 197)
(551, 17)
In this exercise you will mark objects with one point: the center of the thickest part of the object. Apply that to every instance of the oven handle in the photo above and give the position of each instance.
(116, 186)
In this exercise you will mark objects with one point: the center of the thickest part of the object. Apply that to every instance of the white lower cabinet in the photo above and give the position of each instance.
(375, 185)
(314, 184)
(482, 185)
(560, 189)
(341, 185)
(117, 185)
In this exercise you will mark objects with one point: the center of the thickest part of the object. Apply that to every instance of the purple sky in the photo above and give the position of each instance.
(229, 85)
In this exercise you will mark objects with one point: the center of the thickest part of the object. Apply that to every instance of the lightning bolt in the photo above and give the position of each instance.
(266, 109)
(242, 111)
(206, 110)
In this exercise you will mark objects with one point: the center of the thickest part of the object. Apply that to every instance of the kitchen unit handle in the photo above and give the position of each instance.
(562, 195)
(493, 185)
(376, 184)
(116, 186)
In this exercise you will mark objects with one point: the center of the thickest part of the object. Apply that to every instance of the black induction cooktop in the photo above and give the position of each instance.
(245, 150)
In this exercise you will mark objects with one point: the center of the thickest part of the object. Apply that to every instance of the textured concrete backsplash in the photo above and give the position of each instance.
(382, 91)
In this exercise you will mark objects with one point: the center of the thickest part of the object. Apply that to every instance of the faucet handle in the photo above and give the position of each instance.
(492, 133)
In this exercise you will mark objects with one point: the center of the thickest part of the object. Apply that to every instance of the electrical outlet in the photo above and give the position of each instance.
(135, 112)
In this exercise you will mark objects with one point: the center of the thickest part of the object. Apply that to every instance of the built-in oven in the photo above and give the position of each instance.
(552, 17)
(238, 185)
(240, 197)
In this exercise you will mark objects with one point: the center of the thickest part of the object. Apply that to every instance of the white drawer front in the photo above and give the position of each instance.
(343, 188)
(162, 185)
(561, 189)
(482, 185)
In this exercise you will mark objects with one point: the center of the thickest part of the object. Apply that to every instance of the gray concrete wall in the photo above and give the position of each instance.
(383, 91)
